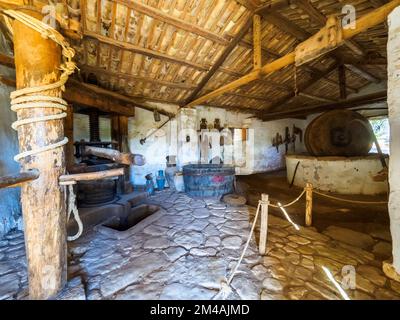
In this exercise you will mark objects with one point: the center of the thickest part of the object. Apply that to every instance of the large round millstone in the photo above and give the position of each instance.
(339, 133)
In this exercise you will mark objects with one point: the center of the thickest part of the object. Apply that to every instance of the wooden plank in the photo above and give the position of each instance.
(88, 176)
(369, 20)
(144, 51)
(257, 56)
(171, 20)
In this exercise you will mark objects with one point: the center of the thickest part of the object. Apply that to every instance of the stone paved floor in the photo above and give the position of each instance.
(194, 244)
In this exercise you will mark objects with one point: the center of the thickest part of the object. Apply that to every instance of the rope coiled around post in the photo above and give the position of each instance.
(32, 97)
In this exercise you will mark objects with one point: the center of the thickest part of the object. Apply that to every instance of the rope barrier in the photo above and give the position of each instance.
(348, 200)
(226, 289)
(288, 204)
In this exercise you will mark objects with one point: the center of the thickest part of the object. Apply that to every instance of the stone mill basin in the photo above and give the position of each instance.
(208, 180)
(342, 175)
(118, 220)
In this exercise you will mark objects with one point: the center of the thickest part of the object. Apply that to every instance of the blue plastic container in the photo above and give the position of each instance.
(160, 180)
(149, 184)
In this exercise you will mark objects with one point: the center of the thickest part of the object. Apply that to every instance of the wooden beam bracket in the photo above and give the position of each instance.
(324, 41)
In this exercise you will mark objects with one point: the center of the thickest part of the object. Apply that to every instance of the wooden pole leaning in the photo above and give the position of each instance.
(264, 224)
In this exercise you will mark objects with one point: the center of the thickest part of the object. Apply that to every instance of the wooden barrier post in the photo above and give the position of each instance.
(264, 224)
(308, 204)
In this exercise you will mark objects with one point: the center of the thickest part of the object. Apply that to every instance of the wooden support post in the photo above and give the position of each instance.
(37, 62)
(257, 55)
(119, 133)
(264, 224)
(308, 204)
(69, 133)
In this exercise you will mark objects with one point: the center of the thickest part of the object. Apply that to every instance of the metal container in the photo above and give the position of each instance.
(208, 180)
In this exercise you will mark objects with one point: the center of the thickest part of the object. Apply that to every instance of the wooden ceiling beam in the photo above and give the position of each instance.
(320, 19)
(144, 51)
(79, 89)
(314, 97)
(78, 95)
(173, 21)
(297, 32)
(257, 53)
(98, 71)
(269, 83)
(343, 104)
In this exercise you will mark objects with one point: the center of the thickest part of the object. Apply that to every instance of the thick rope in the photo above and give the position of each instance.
(225, 284)
(74, 210)
(31, 97)
(348, 200)
(290, 203)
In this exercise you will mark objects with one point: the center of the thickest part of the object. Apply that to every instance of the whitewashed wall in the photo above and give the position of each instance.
(260, 155)
(10, 207)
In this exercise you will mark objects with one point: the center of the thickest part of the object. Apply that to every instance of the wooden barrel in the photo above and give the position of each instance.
(339, 133)
(208, 180)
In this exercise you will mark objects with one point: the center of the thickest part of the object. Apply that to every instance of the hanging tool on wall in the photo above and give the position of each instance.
(143, 140)
(288, 139)
(277, 141)
(296, 132)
